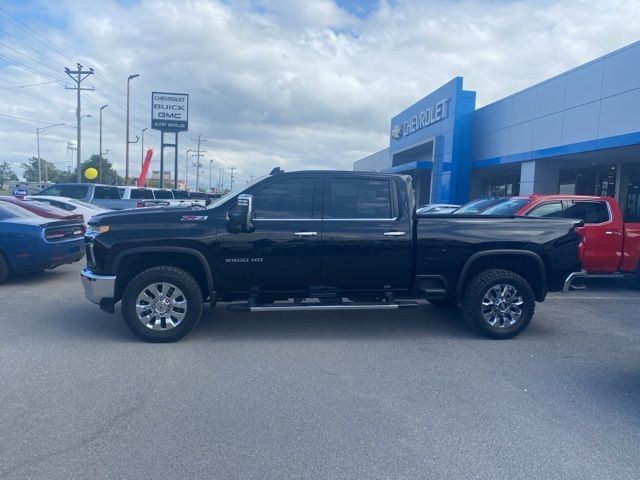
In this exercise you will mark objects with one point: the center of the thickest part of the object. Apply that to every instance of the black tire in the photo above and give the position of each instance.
(190, 291)
(442, 303)
(480, 285)
(4, 269)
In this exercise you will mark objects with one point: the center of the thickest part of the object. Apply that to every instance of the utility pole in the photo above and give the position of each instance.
(100, 148)
(126, 156)
(221, 179)
(186, 169)
(198, 155)
(231, 172)
(210, 167)
(80, 75)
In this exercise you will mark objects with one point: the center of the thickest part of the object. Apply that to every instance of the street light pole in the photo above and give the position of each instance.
(126, 157)
(186, 169)
(100, 147)
(142, 148)
(210, 166)
(38, 130)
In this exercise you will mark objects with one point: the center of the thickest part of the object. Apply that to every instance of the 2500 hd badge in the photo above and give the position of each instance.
(244, 260)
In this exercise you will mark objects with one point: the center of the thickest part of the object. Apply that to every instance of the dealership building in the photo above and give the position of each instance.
(576, 133)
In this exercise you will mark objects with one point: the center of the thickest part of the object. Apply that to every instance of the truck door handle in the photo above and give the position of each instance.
(394, 234)
(613, 232)
(305, 234)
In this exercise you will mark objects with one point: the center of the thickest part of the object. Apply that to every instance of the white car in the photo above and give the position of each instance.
(436, 208)
(87, 210)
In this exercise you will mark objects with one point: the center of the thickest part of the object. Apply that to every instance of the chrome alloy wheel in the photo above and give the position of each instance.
(502, 306)
(161, 306)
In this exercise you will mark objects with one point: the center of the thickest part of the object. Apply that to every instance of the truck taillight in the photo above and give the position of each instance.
(140, 205)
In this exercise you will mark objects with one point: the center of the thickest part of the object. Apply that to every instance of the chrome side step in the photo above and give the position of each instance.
(568, 283)
(302, 306)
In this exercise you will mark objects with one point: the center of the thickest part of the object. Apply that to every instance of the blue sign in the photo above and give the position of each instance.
(19, 192)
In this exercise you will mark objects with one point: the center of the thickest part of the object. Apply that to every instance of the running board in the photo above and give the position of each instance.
(568, 283)
(301, 307)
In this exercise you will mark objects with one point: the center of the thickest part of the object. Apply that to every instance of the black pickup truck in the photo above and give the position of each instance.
(322, 240)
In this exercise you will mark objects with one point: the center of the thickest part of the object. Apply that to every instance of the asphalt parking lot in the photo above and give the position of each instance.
(362, 395)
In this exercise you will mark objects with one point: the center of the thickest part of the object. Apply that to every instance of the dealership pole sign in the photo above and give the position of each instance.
(169, 114)
(170, 111)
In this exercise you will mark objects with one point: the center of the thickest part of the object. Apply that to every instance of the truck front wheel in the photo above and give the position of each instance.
(162, 304)
(498, 303)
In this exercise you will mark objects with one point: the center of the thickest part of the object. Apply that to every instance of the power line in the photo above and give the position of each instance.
(29, 57)
(30, 69)
(29, 85)
(24, 119)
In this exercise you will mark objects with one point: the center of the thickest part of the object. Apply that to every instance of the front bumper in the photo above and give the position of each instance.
(98, 287)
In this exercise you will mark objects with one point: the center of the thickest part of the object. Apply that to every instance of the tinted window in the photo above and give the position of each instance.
(477, 206)
(590, 212)
(121, 192)
(163, 194)
(509, 207)
(64, 206)
(180, 194)
(141, 193)
(197, 195)
(70, 191)
(359, 198)
(546, 210)
(106, 193)
(291, 198)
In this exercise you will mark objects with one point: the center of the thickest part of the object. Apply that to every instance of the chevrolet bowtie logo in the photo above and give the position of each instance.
(396, 132)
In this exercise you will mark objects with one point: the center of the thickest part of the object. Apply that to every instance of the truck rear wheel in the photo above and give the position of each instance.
(498, 304)
(162, 304)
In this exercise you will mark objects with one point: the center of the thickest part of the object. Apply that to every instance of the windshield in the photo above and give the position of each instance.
(234, 192)
(477, 206)
(509, 207)
(69, 191)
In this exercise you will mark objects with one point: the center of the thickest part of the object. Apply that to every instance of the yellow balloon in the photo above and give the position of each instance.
(91, 173)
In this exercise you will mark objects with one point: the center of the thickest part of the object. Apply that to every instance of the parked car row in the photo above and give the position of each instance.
(120, 198)
(36, 236)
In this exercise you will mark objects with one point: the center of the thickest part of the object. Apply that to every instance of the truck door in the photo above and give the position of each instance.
(604, 234)
(367, 235)
(283, 253)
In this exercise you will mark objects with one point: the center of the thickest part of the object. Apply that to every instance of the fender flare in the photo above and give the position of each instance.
(509, 252)
(168, 249)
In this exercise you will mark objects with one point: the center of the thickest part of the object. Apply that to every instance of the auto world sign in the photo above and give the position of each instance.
(170, 111)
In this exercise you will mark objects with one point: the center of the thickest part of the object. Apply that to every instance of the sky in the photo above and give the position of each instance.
(295, 84)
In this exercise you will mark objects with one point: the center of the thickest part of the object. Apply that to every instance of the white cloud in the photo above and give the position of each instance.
(293, 83)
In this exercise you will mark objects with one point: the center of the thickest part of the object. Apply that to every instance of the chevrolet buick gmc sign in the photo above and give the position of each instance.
(422, 119)
(170, 111)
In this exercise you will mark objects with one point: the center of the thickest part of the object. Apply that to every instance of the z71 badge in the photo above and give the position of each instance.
(194, 218)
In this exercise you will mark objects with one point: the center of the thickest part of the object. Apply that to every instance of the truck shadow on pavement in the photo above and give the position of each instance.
(427, 321)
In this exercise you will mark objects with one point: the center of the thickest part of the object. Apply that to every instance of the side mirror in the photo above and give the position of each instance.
(240, 216)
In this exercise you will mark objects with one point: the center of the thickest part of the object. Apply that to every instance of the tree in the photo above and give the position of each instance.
(48, 170)
(109, 174)
(6, 174)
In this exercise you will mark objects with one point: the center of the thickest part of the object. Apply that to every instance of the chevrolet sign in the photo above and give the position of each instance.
(422, 119)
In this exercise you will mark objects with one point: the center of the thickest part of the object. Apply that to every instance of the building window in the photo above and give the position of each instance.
(502, 186)
(597, 180)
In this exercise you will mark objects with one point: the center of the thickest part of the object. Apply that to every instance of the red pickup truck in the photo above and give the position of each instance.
(610, 247)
